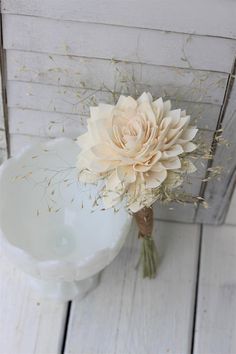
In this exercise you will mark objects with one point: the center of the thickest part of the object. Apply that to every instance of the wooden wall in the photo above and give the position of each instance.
(64, 56)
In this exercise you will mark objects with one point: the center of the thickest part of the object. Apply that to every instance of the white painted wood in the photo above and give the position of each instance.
(2, 139)
(219, 190)
(131, 44)
(181, 84)
(176, 212)
(215, 331)
(3, 144)
(46, 124)
(68, 100)
(27, 324)
(54, 124)
(128, 314)
(54, 98)
(3, 155)
(186, 17)
(231, 215)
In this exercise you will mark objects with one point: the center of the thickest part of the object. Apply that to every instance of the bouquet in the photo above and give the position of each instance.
(138, 152)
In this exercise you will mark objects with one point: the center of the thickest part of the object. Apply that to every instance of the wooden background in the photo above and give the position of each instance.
(61, 57)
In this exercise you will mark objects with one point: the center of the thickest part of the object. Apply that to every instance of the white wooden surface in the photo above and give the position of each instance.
(57, 98)
(186, 17)
(128, 314)
(215, 331)
(123, 43)
(3, 144)
(28, 325)
(231, 215)
(61, 70)
(218, 191)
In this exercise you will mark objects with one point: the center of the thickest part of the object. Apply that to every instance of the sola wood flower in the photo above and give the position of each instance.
(136, 147)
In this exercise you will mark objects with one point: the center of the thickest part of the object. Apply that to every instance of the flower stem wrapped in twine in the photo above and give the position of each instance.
(149, 255)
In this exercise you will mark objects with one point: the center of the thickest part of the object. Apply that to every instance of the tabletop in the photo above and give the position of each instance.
(189, 308)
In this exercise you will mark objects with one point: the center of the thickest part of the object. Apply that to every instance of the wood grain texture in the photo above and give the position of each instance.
(219, 190)
(27, 324)
(55, 124)
(186, 17)
(126, 44)
(75, 103)
(215, 330)
(138, 315)
(107, 75)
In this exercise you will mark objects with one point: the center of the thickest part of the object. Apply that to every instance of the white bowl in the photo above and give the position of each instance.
(47, 226)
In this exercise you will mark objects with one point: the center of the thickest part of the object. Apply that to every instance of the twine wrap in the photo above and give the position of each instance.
(149, 255)
(144, 219)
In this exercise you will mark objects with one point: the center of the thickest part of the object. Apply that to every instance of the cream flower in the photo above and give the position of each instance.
(133, 146)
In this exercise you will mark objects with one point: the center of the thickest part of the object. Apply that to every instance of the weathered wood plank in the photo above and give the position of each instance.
(3, 143)
(185, 17)
(141, 316)
(218, 191)
(3, 149)
(46, 124)
(176, 212)
(27, 324)
(127, 44)
(2, 139)
(128, 78)
(216, 323)
(76, 101)
(231, 215)
(55, 124)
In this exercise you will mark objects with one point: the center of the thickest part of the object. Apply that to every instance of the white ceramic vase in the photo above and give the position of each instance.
(47, 226)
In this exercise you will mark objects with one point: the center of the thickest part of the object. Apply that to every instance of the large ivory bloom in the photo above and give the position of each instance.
(134, 146)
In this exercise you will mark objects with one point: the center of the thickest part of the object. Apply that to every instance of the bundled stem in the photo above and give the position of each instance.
(149, 255)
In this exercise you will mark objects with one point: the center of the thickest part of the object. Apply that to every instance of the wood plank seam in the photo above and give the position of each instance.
(197, 289)
(181, 45)
(126, 61)
(3, 88)
(66, 326)
(229, 86)
(117, 25)
(100, 90)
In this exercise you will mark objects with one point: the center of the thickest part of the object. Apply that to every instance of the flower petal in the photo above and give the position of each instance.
(172, 164)
(102, 111)
(189, 147)
(126, 174)
(126, 102)
(145, 97)
(105, 152)
(174, 150)
(153, 179)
